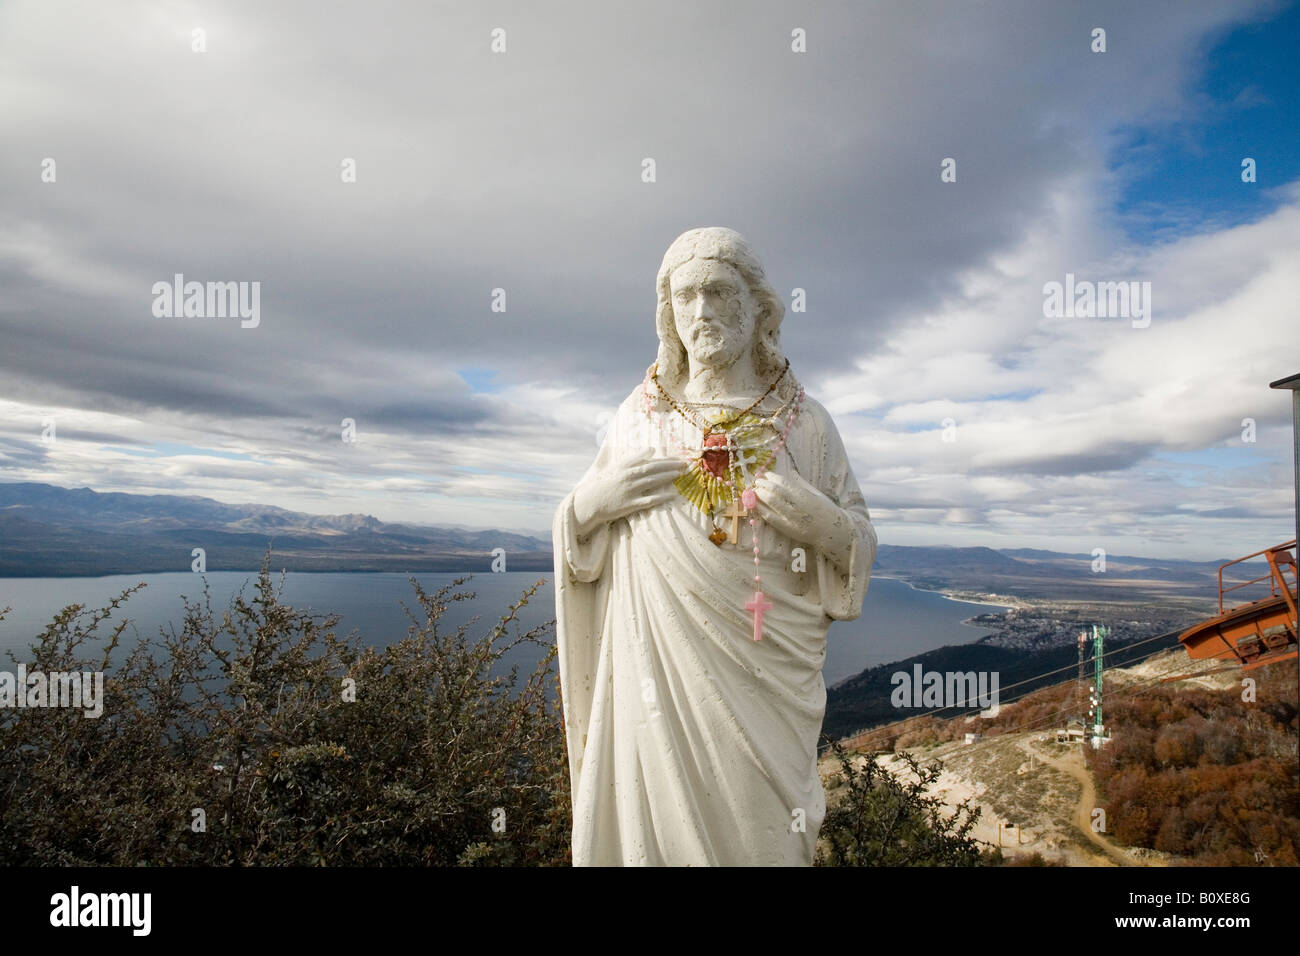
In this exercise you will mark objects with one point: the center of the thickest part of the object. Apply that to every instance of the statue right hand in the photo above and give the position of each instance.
(629, 485)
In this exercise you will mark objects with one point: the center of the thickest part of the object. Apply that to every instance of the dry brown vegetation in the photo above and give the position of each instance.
(1203, 774)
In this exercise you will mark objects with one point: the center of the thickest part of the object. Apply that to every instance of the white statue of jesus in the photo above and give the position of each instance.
(699, 563)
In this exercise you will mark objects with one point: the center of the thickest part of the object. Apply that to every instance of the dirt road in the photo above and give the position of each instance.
(1111, 855)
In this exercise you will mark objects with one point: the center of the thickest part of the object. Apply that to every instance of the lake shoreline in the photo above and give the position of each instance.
(1005, 602)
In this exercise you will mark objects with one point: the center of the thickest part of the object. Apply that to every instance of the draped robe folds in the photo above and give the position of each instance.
(690, 743)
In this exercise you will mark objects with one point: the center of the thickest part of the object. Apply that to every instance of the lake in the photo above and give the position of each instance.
(897, 620)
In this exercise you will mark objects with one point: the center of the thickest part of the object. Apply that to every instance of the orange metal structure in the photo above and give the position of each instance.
(1254, 634)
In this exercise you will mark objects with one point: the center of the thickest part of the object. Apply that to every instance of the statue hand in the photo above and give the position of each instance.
(627, 486)
(797, 509)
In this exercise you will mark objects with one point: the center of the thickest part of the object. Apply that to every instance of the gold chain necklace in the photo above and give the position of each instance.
(724, 423)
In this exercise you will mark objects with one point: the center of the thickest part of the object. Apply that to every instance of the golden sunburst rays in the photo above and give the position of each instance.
(701, 489)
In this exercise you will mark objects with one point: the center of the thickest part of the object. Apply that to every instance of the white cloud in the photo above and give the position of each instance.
(522, 171)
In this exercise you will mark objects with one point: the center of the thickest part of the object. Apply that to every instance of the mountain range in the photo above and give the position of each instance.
(49, 531)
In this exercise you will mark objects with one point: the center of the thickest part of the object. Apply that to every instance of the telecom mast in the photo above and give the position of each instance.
(1081, 688)
(1099, 635)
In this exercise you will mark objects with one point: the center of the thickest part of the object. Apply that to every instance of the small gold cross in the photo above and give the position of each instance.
(735, 511)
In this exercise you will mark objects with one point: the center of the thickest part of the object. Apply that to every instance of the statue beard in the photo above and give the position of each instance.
(714, 351)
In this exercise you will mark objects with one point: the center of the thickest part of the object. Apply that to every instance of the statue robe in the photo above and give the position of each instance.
(690, 743)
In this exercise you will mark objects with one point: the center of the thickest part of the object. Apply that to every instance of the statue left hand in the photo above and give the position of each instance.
(797, 509)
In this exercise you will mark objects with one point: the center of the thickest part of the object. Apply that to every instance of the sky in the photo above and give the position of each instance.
(922, 171)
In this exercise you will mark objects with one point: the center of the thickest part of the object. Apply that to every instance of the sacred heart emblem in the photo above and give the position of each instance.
(716, 463)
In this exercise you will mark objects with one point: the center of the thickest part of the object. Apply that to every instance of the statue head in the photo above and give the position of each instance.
(715, 305)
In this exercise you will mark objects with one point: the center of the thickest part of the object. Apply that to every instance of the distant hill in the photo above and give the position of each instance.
(48, 531)
(864, 701)
(1033, 573)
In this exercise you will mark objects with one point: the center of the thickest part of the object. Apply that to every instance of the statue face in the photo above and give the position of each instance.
(713, 311)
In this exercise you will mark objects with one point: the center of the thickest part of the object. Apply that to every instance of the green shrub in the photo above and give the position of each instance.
(232, 742)
(875, 818)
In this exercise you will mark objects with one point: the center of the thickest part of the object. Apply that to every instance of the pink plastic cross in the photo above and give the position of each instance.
(758, 605)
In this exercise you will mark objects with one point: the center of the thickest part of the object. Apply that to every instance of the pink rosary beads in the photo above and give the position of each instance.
(749, 500)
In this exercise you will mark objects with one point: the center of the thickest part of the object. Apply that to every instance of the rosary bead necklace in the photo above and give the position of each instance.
(719, 467)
